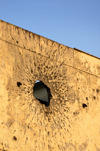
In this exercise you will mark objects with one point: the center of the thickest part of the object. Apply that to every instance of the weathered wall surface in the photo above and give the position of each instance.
(72, 121)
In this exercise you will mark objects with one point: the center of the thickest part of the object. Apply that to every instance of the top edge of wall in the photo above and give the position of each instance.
(51, 40)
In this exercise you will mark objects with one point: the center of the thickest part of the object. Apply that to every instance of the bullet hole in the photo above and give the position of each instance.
(48, 132)
(97, 90)
(17, 42)
(14, 138)
(94, 97)
(42, 93)
(84, 105)
(86, 98)
(19, 84)
(31, 71)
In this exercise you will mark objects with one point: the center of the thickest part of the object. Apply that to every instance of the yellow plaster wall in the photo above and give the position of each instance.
(73, 78)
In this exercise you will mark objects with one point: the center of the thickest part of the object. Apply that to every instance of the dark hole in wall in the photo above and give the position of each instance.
(84, 105)
(31, 71)
(86, 98)
(17, 42)
(42, 93)
(94, 97)
(97, 90)
(14, 138)
(19, 84)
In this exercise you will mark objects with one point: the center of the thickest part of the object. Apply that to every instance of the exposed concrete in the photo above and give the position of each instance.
(71, 122)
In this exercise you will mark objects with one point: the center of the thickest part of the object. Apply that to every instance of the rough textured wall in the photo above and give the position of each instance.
(72, 121)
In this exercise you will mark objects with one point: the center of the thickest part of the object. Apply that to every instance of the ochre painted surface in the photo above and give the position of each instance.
(72, 121)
